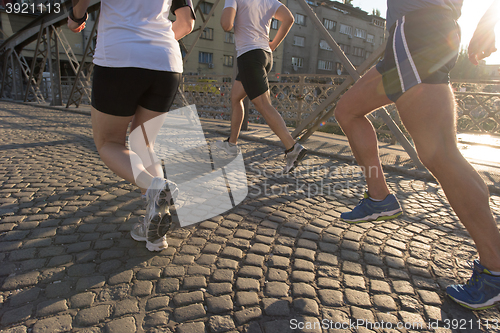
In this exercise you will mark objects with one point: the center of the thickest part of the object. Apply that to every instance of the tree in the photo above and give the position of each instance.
(348, 2)
(376, 12)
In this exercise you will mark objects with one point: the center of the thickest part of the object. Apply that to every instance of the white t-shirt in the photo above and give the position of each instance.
(137, 34)
(252, 23)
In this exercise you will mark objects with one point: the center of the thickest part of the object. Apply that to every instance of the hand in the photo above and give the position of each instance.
(73, 26)
(272, 46)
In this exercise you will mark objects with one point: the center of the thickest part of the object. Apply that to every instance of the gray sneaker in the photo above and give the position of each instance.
(227, 147)
(140, 232)
(159, 200)
(293, 157)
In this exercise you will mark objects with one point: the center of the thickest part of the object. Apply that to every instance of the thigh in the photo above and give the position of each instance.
(108, 128)
(365, 96)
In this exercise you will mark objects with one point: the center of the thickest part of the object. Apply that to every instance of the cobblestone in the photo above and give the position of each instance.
(69, 263)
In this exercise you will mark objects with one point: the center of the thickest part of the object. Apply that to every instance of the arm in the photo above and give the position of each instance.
(482, 44)
(184, 22)
(227, 18)
(79, 11)
(286, 18)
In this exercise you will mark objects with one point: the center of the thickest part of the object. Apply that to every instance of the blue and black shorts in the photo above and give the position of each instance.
(422, 48)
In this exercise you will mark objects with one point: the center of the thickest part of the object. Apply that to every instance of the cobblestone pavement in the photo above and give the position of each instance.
(280, 259)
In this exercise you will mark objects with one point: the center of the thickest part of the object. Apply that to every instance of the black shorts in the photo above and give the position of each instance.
(120, 90)
(422, 48)
(253, 67)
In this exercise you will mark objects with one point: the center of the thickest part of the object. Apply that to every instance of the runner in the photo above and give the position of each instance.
(251, 20)
(138, 67)
(421, 50)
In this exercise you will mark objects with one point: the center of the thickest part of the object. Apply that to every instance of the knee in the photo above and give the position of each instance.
(342, 114)
(436, 158)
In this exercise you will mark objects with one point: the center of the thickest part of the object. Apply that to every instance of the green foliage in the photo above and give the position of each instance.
(376, 12)
(464, 69)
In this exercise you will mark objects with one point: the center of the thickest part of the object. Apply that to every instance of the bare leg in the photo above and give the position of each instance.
(273, 119)
(109, 136)
(238, 94)
(428, 113)
(364, 97)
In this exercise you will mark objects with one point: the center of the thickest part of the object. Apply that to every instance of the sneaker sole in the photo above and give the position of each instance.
(379, 218)
(156, 247)
(301, 155)
(496, 301)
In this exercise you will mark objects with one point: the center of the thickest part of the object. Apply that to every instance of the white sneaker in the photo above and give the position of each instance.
(229, 148)
(159, 198)
(139, 233)
(294, 157)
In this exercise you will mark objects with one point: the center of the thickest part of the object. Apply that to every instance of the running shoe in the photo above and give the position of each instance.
(140, 232)
(482, 291)
(369, 210)
(159, 200)
(229, 148)
(293, 157)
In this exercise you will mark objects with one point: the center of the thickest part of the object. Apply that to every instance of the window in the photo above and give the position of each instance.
(274, 24)
(370, 38)
(208, 33)
(360, 33)
(206, 7)
(205, 57)
(345, 48)
(298, 41)
(228, 60)
(324, 45)
(229, 37)
(329, 24)
(325, 65)
(358, 52)
(381, 40)
(300, 19)
(379, 23)
(297, 62)
(339, 68)
(345, 29)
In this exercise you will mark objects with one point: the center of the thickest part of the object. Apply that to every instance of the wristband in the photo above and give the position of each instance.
(80, 20)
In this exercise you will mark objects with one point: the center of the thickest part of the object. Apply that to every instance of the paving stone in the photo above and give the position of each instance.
(247, 284)
(374, 271)
(354, 282)
(122, 325)
(148, 274)
(403, 287)
(247, 298)
(50, 307)
(251, 272)
(246, 315)
(328, 283)
(142, 288)
(331, 297)
(278, 262)
(82, 300)
(157, 303)
(276, 289)
(274, 274)
(378, 286)
(90, 282)
(303, 290)
(227, 263)
(306, 306)
(220, 304)
(173, 271)
(351, 267)
(54, 324)
(305, 254)
(17, 314)
(220, 324)
(384, 302)
(127, 306)
(357, 298)
(197, 327)
(194, 282)
(429, 297)
(223, 275)
(121, 277)
(182, 299)
(279, 326)
(93, 315)
(303, 265)
(157, 319)
(21, 281)
(413, 318)
(220, 288)
(259, 248)
(167, 285)
(276, 307)
(190, 312)
(23, 297)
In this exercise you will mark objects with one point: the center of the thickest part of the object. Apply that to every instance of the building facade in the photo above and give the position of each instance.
(356, 32)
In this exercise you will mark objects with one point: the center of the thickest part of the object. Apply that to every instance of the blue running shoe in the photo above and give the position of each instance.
(369, 210)
(482, 291)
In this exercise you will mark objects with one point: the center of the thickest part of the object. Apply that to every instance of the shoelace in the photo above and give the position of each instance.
(474, 278)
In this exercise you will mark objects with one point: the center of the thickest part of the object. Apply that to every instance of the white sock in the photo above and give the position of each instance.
(375, 199)
(231, 144)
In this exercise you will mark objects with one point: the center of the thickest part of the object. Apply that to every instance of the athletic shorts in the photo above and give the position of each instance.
(253, 67)
(118, 91)
(422, 48)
